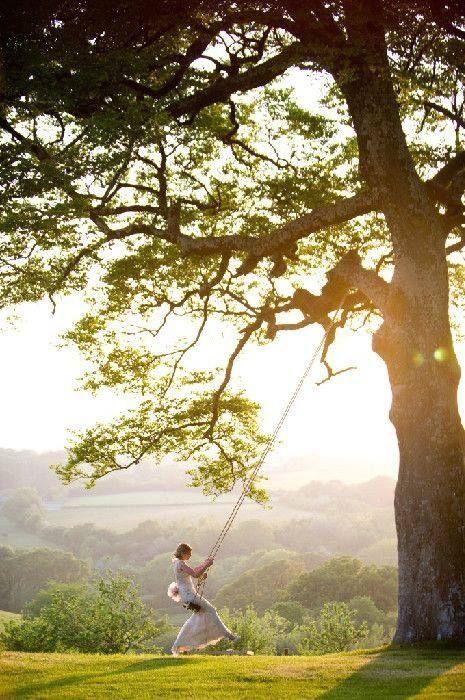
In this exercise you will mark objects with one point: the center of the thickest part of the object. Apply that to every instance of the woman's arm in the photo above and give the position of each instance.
(197, 570)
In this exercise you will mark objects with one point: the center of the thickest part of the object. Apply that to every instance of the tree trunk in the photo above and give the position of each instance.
(429, 508)
(415, 343)
(430, 492)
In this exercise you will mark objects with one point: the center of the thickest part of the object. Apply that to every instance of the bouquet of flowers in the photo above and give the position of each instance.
(173, 592)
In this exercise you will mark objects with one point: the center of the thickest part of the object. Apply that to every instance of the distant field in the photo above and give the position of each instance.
(382, 673)
(123, 511)
(134, 507)
(142, 498)
(12, 536)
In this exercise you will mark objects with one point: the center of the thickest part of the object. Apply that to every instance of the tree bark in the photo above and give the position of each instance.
(430, 492)
(416, 344)
(429, 508)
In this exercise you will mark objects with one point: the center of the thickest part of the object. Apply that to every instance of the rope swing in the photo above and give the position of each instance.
(267, 449)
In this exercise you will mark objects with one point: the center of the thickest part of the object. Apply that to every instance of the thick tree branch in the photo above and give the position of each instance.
(458, 246)
(260, 74)
(368, 282)
(348, 273)
(194, 52)
(317, 22)
(274, 328)
(448, 172)
(255, 15)
(448, 185)
(447, 113)
(280, 240)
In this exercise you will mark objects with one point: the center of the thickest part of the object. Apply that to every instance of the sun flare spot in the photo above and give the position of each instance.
(440, 354)
(418, 359)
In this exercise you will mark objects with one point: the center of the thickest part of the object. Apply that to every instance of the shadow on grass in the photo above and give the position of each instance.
(77, 678)
(398, 672)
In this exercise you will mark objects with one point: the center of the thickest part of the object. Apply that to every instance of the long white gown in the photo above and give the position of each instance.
(204, 627)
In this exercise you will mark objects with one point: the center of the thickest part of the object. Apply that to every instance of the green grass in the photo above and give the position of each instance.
(134, 507)
(6, 617)
(381, 673)
(13, 536)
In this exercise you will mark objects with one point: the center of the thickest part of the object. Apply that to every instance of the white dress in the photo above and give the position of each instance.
(203, 627)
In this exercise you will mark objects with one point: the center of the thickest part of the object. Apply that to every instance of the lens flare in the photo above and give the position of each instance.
(440, 354)
(418, 359)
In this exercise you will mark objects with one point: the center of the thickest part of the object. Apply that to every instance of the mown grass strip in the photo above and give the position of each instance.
(383, 673)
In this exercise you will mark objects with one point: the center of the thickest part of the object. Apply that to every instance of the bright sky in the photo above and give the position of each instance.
(339, 430)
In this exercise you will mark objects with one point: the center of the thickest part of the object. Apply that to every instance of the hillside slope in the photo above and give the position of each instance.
(6, 617)
(381, 673)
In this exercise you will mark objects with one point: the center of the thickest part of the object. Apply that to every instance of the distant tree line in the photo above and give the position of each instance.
(369, 535)
(24, 572)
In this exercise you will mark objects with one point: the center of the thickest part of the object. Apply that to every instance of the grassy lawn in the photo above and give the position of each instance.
(164, 506)
(13, 536)
(6, 617)
(380, 673)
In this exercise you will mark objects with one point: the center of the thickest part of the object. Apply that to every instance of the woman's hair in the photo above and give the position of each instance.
(181, 549)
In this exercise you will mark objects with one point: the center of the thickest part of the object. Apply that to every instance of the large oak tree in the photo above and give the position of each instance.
(154, 155)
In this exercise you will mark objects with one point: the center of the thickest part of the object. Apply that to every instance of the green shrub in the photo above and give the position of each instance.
(258, 633)
(29, 635)
(109, 618)
(334, 630)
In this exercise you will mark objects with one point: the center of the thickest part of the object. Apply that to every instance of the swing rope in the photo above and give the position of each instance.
(269, 445)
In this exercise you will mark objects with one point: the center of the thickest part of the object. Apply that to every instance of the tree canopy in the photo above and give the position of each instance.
(343, 578)
(24, 572)
(157, 159)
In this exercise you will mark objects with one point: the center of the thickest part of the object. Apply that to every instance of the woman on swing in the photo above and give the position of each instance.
(204, 626)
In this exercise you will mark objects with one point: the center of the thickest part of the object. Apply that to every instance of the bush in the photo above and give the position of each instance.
(109, 618)
(29, 635)
(257, 633)
(334, 630)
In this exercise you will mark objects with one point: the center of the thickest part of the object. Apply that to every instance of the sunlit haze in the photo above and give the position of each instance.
(339, 430)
